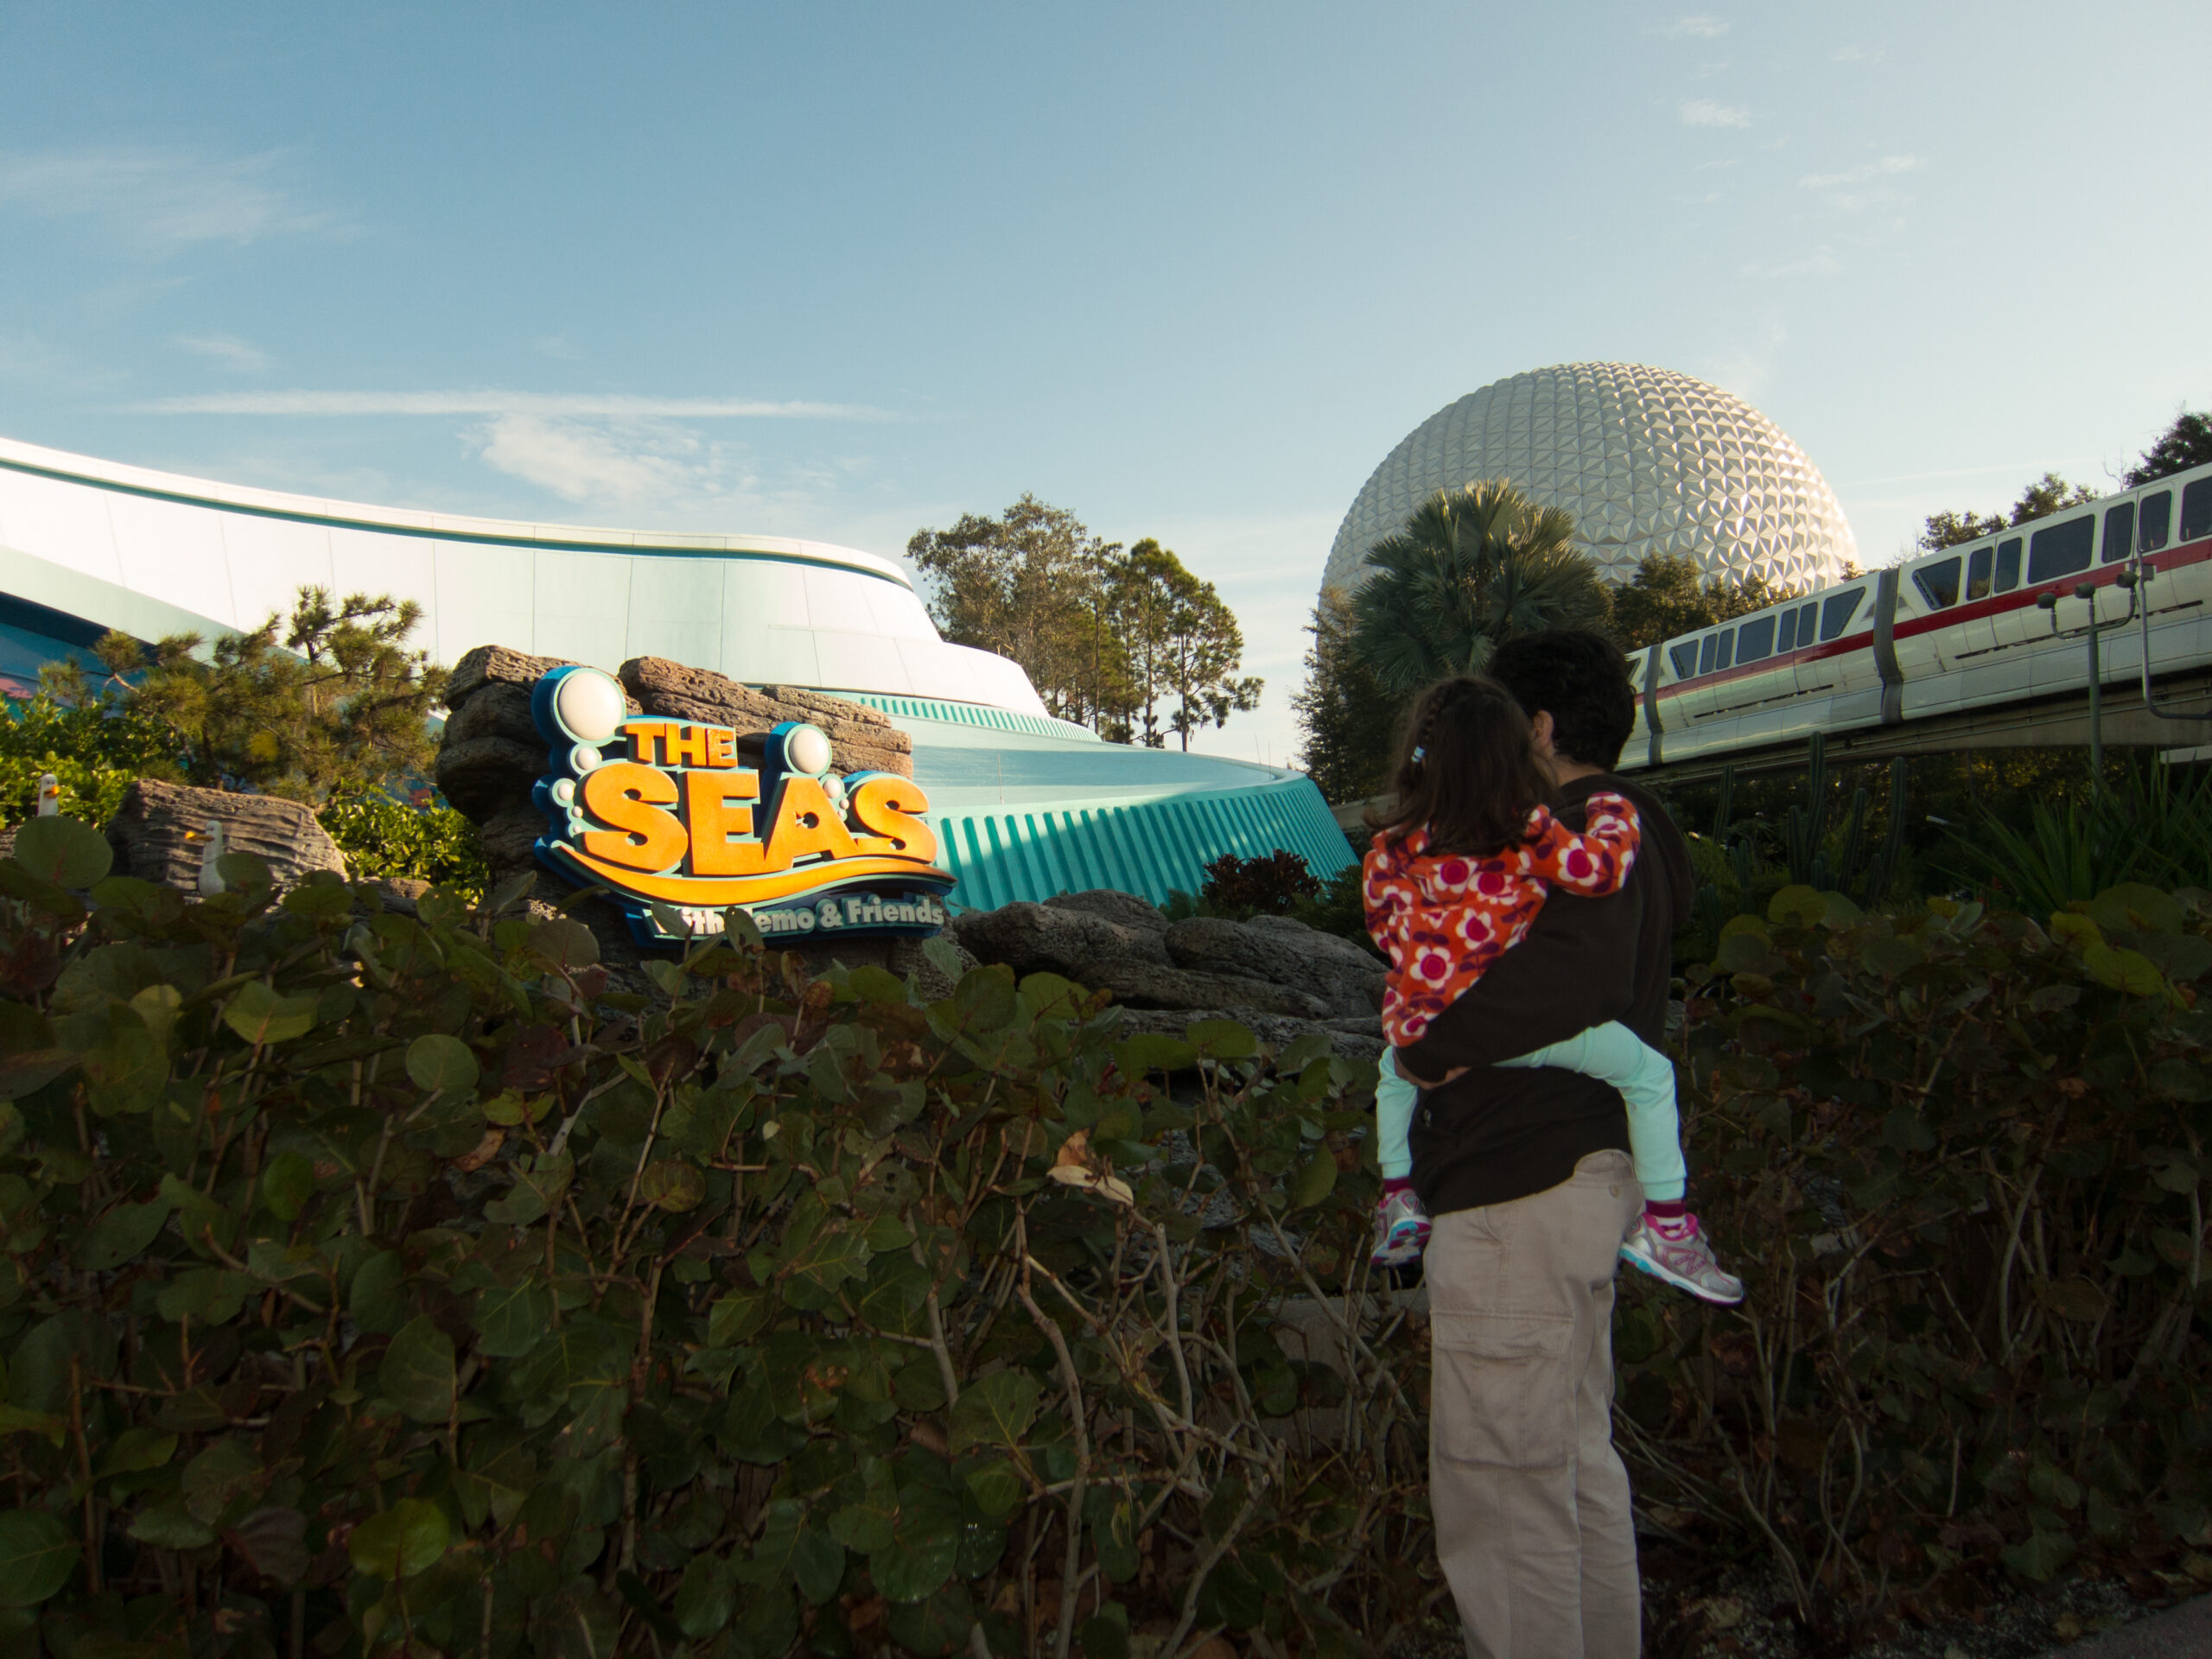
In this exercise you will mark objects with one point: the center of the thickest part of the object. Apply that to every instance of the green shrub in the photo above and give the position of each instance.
(1257, 886)
(94, 748)
(426, 841)
(1960, 1160)
(383, 1285)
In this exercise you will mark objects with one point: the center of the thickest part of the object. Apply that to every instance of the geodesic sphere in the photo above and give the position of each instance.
(1648, 460)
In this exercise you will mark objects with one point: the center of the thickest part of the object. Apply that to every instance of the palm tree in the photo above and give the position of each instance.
(1472, 568)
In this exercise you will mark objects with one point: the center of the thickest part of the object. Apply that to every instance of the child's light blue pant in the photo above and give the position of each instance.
(1611, 1053)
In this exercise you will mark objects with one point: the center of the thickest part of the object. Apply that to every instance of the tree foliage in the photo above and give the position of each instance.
(2186, 443)
(1668, 595)
(396, 1282)
(328, 698)
(2045, 495)
(1348, 719)
(1473, 568)
(1129, 643)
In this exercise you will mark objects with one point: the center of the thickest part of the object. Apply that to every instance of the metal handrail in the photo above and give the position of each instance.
(2144, 573)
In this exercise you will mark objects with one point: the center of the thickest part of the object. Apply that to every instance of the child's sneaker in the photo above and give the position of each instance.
(1400, 1229)
(1679, 1255)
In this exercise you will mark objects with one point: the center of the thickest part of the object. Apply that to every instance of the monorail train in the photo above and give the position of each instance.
(1997, 621)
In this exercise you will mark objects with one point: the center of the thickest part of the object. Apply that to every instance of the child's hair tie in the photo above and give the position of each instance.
(1420, 754)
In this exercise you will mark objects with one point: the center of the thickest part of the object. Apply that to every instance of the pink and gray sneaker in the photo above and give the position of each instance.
(1400, 1229)
(1678, 1253)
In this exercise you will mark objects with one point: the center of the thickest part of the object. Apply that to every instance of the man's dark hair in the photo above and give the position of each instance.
(1582, 679)
(1468, 771)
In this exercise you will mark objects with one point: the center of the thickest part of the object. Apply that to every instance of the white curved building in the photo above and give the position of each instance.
(761, 609)
(1647, 460)
(1025, 805)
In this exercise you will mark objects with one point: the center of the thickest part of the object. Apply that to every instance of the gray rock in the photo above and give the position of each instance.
(509, 837)
(860, 738)
(1126, 909)
(1274, 1031)
(1348, 951)
(483, 665)
(1342, 976)
(486, 775)
(1032, 938)
(495, 710)
(1139, 984)
(157, 833)
(1369, 1025)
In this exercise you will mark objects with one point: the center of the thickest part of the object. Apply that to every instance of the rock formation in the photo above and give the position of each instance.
(1273, 973)
(158, 834)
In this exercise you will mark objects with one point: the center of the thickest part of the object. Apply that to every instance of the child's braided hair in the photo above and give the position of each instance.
(1467, 772)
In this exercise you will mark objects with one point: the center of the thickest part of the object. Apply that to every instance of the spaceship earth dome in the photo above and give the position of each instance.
(1648, 460)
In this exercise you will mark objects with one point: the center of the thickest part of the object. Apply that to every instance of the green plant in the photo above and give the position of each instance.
(426, 841)
(2146, 822)
(392, 1284)
(1257, 886)
(327, 698)
(1960, 1160)
(90, 738)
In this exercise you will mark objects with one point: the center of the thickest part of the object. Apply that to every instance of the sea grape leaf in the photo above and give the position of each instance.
(996, 1410)
(403, 1542)
(417, 1373)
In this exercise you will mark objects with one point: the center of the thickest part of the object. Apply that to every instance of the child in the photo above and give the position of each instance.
(1456, 879)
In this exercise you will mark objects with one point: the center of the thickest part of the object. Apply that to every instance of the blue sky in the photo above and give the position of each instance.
(1188, 270)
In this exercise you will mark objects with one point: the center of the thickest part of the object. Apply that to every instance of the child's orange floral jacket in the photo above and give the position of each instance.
(1443, 920)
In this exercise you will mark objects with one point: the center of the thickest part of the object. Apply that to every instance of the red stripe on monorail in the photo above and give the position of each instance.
(1910, 627)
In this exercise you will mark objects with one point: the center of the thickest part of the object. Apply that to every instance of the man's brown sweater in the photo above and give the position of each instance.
(1494, 1135)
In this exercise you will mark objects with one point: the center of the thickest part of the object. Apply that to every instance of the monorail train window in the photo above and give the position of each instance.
(2120, 532)
(1755, 641)
(2197, 510)
(2061, 550)
(1785, 638)
(1805, 615)
(2151, 520)
(1836, 615)
(2008, 565)
(1685, 659)
(1939, 583)
(1705, 653)
(1978, 563)
(1727, 638)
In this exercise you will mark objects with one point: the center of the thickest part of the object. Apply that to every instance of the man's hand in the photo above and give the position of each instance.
(1452, 1075)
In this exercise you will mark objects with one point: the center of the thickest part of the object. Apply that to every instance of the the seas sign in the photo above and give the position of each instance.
(660, 813)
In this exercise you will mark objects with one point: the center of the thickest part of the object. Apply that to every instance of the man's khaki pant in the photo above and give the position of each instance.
(1530, 1499)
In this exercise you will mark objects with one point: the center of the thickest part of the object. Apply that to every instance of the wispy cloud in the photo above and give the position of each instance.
(1707, 112)
(1823, 263)
(228, 350)
(584, 463)
(1885, 168)
(556, 346)
(1746, 366)
(1703, 26)
(1854, 54)
(1857, 188)
(662, 471)
(551, 405)
(162, 199)
(26, 356)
